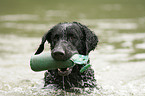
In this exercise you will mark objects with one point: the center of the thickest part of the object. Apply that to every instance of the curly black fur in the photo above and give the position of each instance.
(87, 42)
(75, 79)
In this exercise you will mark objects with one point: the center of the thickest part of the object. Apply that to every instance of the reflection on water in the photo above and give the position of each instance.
(118, 61)
(18, 17)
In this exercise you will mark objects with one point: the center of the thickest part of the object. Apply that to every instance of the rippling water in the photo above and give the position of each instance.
(118, 61)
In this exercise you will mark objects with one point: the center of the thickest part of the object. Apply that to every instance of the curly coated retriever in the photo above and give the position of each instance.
(67, 39)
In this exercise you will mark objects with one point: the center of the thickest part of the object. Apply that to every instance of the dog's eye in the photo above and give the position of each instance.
(71, 37)
(56, 38)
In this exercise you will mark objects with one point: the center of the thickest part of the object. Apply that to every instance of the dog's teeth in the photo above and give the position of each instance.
(59, 70)
(63, 71)
(67, 69)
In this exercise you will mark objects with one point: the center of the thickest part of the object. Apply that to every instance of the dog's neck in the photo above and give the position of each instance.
(75, 79)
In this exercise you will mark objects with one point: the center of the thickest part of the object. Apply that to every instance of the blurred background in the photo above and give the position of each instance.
(118, 60)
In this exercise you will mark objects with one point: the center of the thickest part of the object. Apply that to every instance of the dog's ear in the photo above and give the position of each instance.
(47, 36)
(91, 39)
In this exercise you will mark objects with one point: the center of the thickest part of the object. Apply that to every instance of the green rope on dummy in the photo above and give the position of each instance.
(85, 68)
(81, 60)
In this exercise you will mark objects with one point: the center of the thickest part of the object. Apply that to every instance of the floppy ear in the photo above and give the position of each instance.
(91, 39)
(44, 38)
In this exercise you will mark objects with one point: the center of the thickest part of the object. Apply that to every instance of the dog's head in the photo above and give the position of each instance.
(67, 39)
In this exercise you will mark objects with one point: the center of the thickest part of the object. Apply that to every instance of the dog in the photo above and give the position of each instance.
(67, 39)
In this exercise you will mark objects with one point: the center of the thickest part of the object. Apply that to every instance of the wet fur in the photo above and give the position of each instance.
(87, 43)
(75, 79)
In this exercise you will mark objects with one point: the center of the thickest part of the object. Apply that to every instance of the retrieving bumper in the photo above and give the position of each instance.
(44, 61)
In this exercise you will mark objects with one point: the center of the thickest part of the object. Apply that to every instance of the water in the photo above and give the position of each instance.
(118, 61)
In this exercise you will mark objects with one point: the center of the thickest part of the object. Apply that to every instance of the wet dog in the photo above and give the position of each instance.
(67, 39)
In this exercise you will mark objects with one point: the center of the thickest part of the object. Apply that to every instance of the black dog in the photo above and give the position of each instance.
(67, 39)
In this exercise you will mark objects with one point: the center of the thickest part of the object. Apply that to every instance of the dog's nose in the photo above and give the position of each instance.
(58, 54)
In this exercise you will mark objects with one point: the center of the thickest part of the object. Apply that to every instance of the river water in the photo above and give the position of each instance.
(118, 60)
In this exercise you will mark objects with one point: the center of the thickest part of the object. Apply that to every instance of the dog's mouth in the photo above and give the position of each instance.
(64, 71)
